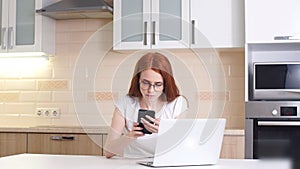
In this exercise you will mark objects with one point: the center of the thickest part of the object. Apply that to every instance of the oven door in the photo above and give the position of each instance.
(277, 138)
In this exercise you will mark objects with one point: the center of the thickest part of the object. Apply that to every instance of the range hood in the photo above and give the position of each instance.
(78, 9)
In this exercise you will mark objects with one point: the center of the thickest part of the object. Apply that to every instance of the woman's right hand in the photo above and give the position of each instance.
(136, 131)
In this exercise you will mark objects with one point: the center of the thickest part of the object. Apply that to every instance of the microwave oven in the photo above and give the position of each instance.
(275, 81)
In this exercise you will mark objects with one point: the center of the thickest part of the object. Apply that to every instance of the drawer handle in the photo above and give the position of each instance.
(62, 138)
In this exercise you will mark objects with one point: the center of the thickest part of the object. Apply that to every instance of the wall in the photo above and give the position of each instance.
(23, 89)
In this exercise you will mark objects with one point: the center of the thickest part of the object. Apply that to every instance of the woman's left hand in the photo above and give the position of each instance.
(152, 127)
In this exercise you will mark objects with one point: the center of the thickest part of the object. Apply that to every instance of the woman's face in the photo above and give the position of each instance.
(151, 84)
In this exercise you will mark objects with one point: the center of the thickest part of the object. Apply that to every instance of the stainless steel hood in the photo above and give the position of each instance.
(78, 9)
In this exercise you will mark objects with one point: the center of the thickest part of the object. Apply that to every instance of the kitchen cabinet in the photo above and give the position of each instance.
(75, 144)
(217, 24)
(272, 21)
(233, 146)
(22, 30)
(12, 143)
(151, 24)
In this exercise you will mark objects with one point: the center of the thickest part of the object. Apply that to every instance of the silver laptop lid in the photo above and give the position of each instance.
(189, 142)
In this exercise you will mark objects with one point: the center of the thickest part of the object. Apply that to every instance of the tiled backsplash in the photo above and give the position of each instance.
(51, 85)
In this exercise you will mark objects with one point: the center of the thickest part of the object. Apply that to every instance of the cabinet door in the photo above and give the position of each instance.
(4, 24)
(25, 31)
(12, 143)
(272, 21)
(170, 24)
(74, 144)
(21, 24)
(233, 147)
(217, 24)
(146, 24)
(132, 24)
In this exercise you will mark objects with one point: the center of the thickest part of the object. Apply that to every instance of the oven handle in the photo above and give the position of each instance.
(278, 123)
(293, 91)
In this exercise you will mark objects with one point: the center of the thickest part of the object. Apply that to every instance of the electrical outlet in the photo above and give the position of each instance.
(48, 112)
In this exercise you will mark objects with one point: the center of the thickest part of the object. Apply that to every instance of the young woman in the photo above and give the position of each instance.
(153, 88)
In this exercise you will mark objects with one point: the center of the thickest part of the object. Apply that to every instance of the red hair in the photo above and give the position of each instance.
(160, 64)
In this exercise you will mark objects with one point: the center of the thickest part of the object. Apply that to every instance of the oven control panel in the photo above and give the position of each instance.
(288, 111)
(273, 109)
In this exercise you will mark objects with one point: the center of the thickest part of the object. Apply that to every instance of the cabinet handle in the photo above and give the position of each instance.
(145, 33)
(153, 33)
(62, 138)
(3, 38)
(193, 31)
(287, 38)
(10, 37)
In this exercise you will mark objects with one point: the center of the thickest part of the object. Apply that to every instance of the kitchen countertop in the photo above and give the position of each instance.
(78, 129)
(54, 129)
(39, 161)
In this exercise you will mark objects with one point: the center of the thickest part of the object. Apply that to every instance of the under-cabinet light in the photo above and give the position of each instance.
(23, 55)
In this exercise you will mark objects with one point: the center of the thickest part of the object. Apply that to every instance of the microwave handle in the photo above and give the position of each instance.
(287, 37)
(278, 123)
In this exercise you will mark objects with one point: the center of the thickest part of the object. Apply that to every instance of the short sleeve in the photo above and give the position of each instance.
(180, 105)
(122, 105)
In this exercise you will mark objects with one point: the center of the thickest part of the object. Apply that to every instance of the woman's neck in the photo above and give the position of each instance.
(155, 105)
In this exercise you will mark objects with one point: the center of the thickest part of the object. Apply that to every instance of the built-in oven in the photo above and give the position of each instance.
(273, 130)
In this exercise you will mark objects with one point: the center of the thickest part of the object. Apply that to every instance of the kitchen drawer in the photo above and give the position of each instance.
(75, 144)
(12, 143)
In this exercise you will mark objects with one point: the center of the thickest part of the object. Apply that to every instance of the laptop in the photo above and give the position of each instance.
(188, 142)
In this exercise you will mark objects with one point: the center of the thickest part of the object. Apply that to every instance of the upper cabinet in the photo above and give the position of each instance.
(217, 24)
(22, 30)
(148, 24)
(272, 21)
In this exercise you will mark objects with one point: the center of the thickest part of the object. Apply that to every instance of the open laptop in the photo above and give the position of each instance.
(188, 142)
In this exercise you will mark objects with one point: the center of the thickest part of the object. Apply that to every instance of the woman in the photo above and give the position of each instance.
(153, 88)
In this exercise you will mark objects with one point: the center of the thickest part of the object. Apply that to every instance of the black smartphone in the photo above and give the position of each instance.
(142, 114)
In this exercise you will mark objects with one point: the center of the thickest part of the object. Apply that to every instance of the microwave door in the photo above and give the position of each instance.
(276, 81)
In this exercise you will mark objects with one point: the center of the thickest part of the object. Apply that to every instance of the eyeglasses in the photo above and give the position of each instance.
(145, 85)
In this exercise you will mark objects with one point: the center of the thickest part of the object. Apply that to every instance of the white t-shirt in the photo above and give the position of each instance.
(145, 146)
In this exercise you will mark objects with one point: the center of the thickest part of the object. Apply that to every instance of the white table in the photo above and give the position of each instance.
(39, 161)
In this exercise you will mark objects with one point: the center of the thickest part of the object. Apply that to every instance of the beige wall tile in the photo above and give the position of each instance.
(35, 96)
(95, 24)
(9, 96)
(42, 72)
(102, 96)
(9, 120)
(80, 36)
(235, 83)
(53, 84)
(70, 25)
(62, 96)
(2, 84)
(20, 85)
(63, 73)
(19, 108)
(63, 37)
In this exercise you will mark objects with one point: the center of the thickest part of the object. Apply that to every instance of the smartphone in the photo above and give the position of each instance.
(142, 114)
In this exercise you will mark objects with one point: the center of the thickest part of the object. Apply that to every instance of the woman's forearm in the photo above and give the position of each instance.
(117, 146)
